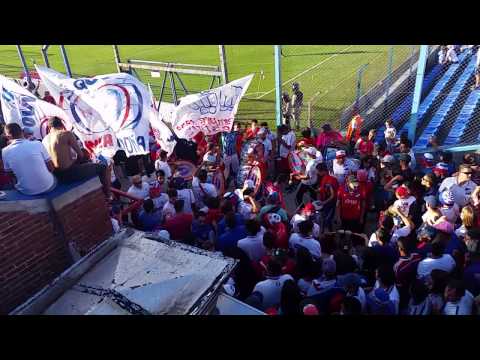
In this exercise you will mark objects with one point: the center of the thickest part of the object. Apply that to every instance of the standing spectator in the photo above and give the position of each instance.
(327, 195)
(304, 239)
(161, 164)
(419, 303)
(379, 303)
(29, 161)
(390, 134)
(234, 232)
(449, 209)
(458, 300)
(290, 299)
(271, 288)
(287, 145)
(203, 233)
(48, 98)
(467, 216)
(306, 213)
(297, 103)
(437, 260)
(60, 143)
(386, 280)
(351, 206)
(442, 55)
(354, 130)
(248, 207)
(286, 108)
(461, 185)
(341, 168)
(149, 218)
(309, 180)
(328, 137)
(267, 146)
(406, 148)
(430, 187)
(159, 186)
(179, 225)
(139, 189)
(351, 283)
(477, 71)
(403, 174)
(307, 140)
(451, 56)
(405, 268)
(184, 194)
(201, 188)
(168, 209)
(436, 283)
(252, 131)
(253, 243)
(28, 134)
(229, 153)
(471, 274)
(364, 146)
(427, 163)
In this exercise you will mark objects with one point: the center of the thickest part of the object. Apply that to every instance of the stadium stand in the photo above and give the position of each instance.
(402, 112)
(447, 109)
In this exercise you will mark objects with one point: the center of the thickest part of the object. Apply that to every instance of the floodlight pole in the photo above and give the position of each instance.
(65, 60)
(45, 55)
(278, 85)
(116, 54)
(417, 93)
(24, 65)
(223, 63)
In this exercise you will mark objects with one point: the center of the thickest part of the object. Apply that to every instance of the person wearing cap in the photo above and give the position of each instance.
(404, 200)
(351, 206)
(427, 162)
(306, 213)
(449, 208)
(460, 185)
(309, 180)
(329, 137)
(340, 166)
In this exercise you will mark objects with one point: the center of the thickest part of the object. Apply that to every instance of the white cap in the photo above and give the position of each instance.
(340, 153)
(262, 131)
(388, 159)
(428, 156)
(311, 151)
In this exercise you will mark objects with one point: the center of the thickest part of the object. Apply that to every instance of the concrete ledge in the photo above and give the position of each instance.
(76, 193)
(34, 206)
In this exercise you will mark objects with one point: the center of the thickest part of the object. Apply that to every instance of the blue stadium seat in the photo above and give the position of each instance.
(437, 90)
(406, 105)
(447, 105)
(463, 119)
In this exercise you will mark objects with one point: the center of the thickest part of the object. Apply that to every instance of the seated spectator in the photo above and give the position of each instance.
(437, 260)
(60, 144)
(149, 218)
(458, 300)
(179, 225)
(271, 288)
(161, 164)
(29, 162)
(304, 239)
(419, 303)
(234, 231)
(252, 245)
(139, 189)
(203, 232)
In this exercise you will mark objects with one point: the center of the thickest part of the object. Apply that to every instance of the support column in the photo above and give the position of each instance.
(65, 61)
(417, 94)
(223, 63)
(278, 85)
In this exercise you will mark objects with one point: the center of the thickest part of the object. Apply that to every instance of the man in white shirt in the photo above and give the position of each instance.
(307, 211)
(267, 144)
(168, 209)
(29, 161)
(461, 185)
(304, 239)
(459, 301)
(252, 245)
(340, 167)
(248, 207)
(406, 148)
(161, 164)
(202, 189)
(437, 260)
(271, 288)
(139, 189)
(287, 145)
(308, 181)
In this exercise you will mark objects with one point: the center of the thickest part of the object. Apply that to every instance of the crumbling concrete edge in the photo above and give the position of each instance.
(39, 302)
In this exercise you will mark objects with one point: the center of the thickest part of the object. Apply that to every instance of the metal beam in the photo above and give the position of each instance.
(169, 69)
(223, 63)
(162, 90)
(24, 65)
(65, 61)
(278, 85)
(182, 84)
(116, 54)
(172, 86)
(422, 61)
(148, 62)
(45, 55)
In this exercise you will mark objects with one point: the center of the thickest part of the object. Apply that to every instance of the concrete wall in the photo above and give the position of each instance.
(35, 236)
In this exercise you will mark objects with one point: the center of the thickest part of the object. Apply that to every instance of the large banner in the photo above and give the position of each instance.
(22, 107)
(108, 112)
(211, 111)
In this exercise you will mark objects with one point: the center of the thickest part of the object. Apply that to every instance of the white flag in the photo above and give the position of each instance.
(211, 111)
(20, 106)
(108, 112)
(161, 131)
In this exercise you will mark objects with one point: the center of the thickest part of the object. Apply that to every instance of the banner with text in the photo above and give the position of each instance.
(211, 111)
(22, 107)
(108, 112)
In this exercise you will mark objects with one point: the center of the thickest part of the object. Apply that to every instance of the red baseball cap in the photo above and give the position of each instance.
(309, 207)
(402, 192)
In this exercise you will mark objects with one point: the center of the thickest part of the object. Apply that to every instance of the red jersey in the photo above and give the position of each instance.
(306, 142)
(326, 182)
(251, 134)
(365, 147)
(366, 188)
(239, 143)
(179, 226)
(350, 204)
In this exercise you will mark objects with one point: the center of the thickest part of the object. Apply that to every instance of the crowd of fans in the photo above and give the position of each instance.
(321, 257)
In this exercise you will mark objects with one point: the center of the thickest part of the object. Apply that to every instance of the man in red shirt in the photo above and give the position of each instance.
(364, 146)
(307, 140)
(48, 98)
(252, 131)
(179, 225)
(327, 195)
(351, 206)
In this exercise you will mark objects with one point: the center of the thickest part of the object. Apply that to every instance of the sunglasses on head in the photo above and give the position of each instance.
(467, 173)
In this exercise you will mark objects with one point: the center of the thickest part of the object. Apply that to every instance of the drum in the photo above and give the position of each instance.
(296, 163)
(256, 176)
(218, 180)
(184, 169)
(242, 175)
(257, 147)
